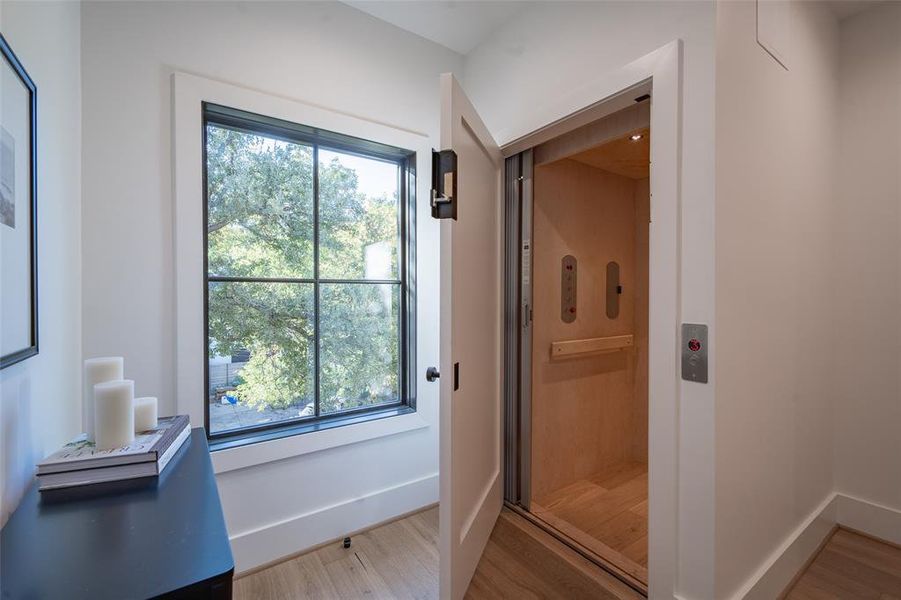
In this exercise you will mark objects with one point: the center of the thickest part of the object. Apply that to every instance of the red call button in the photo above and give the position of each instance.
(694, 344)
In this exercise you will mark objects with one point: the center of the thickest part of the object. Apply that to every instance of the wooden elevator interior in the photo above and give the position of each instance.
(589, 434)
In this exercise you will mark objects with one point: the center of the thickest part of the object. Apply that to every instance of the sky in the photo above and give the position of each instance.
(376, 178)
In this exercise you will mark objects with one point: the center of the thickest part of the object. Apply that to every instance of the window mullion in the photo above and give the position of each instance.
(403, 236)
(316, 286)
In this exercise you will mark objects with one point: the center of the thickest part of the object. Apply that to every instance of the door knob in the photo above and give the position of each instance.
(431, 374)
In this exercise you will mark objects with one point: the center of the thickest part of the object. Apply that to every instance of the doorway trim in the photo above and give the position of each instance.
(662, 70)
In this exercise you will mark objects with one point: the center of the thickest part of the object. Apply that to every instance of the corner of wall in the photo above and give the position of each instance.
(775, 207)
(867, 238)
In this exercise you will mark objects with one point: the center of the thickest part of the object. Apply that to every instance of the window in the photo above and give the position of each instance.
(308, 249)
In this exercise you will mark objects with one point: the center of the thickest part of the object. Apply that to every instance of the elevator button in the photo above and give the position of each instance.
(694, 352)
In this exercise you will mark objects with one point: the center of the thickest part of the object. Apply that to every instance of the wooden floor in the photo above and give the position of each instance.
(851, 565)
(400, 560)
(607, 514)
(521, 561)
(397, 560)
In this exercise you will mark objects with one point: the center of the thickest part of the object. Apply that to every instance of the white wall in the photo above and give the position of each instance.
(326, 54)
(775, 436)
(40, 400)
(868, 259)
(538, 59)
(776, 141)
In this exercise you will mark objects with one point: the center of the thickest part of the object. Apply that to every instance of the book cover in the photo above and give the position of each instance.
(81, 454)
(106, 474)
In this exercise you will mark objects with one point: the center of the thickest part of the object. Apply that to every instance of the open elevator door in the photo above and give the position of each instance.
(466, 195)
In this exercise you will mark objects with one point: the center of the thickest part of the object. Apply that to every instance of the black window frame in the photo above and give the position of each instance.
(249, 122)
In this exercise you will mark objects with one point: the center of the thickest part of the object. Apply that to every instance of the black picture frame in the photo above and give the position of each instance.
(15, 64)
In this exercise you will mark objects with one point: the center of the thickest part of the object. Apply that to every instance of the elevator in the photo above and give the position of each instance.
(577, 298)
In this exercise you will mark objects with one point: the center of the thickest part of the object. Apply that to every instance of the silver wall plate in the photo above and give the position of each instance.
(694, 352)
(613, 290)
(568, 280)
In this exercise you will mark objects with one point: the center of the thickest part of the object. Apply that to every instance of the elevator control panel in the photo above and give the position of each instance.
(694, 352)
(568, 276)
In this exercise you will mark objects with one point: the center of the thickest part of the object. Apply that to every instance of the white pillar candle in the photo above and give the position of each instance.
(145, 414)
(114, 413)
(98, 370)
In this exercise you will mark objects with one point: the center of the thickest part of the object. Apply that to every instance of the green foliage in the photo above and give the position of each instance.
(260, 211)
(275, 322)
(359, 345)
(260, 224)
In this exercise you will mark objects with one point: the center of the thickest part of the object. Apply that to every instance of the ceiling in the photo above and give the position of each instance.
(456, 24)
(622, 156)
(462, 25)
(848, 8)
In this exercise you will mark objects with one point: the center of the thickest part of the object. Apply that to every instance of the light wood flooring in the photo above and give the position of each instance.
(397, 560)
(521, 562)
(851, 565)
(400, 560)
(607, 514)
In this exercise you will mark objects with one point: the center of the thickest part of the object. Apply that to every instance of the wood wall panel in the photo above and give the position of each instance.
(642, 201)
(584, 409)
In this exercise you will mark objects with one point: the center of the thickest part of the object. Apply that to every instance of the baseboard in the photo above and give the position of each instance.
(793, 555)
(783, 565)
(869, 518)
(275, 541)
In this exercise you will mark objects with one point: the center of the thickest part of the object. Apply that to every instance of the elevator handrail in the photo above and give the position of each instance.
(588, 346)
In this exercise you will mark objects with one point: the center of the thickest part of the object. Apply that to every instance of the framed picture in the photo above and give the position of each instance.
(18, 212)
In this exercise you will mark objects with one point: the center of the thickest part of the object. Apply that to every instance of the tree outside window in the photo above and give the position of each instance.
(304, 279)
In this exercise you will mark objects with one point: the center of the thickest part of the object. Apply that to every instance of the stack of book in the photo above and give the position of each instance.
(80, 463)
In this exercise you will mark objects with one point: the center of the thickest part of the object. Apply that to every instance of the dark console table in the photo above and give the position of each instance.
(153, 538)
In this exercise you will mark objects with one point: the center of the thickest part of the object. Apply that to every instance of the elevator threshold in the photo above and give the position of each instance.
(607, 515)
(522, 559)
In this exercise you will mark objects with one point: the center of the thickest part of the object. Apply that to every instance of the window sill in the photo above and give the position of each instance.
(234, 454)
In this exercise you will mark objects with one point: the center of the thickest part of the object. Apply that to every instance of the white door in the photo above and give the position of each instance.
(471, 327)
